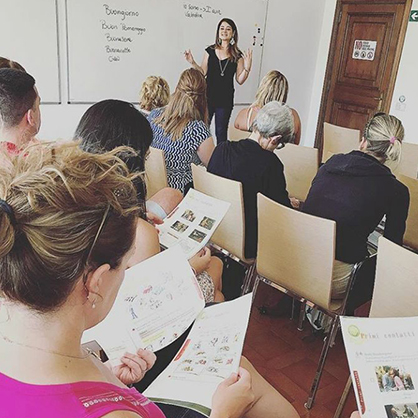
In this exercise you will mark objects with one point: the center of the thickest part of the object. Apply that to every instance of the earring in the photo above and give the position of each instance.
(232, 42)
(93, 305)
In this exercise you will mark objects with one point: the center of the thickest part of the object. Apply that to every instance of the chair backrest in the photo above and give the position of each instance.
(339, 140)
(235, 134)
(230, 234)
(300, 168)
(396, 283)
(296, 250)
(155, 171)
(411, 234)
(408, 166)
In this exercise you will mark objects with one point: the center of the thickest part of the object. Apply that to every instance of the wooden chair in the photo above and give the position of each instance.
(230, 234)
(339, 140)
(396, 280)
(408, 166)
(296, 255)
(235, 134)
(155, 171)
(411, 234)
(300, 168)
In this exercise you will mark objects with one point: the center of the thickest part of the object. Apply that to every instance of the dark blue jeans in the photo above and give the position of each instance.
(222, 115)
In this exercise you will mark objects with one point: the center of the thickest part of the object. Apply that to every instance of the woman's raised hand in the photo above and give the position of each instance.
(234, 396)
(189, 57)
(248, 59)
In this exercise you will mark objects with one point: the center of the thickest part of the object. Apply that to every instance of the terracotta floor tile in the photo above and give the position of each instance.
(303, 372)
(288, 361)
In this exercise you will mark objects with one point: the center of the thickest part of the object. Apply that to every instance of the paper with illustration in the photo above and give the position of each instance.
(193, 222)
(211, 352)
(383, 359)
(157, 302)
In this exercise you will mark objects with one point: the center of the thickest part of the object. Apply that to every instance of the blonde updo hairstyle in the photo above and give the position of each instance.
(188, 103)
(64, 212)
(273, 87)
(155, 93)
(384, 135)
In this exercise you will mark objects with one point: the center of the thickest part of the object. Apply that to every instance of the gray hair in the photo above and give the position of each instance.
(274, 119)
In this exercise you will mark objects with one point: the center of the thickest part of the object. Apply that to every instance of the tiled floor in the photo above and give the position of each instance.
(278, 351)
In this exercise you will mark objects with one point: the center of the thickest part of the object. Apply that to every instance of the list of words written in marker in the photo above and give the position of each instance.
(120, 29)
(198, 12)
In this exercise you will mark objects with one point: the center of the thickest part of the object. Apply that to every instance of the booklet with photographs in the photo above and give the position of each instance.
(192, 223)
(383, 358)
(211, 352)
(158, 300)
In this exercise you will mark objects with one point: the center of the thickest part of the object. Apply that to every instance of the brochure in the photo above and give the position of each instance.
(192, 223)
(211, 352)
(158, 300)
(383, 359)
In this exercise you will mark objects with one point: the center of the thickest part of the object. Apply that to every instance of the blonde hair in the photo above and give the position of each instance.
(155, 92)
(384, 135)
(273, 87)
(63, 212)
(188, 103)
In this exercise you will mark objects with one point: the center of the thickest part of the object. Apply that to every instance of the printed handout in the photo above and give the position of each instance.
(211, 352)
(193, 222)
(157, 302)
(383, 359)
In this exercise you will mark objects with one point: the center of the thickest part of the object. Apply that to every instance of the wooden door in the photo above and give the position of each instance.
(363, 61)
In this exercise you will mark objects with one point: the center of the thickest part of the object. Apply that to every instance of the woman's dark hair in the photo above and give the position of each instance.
(17, 95)
(6, 63)
(112, 123)
(233, 50)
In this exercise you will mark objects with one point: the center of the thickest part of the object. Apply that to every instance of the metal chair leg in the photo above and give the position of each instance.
(343, 398)
(302, 313)
(320, 369)
(256, 283)
(249, 274)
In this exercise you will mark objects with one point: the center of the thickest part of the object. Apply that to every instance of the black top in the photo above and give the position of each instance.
(356, 191)
(259, 171)
(220, 89)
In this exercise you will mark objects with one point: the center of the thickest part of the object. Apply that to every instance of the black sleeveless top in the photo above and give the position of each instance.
(220, 89)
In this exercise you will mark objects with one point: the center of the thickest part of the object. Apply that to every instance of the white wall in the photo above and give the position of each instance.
(292, 44)
(407, 85)
(320, 68)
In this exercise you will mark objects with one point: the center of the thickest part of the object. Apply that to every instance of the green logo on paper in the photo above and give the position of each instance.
(413, 17)
(353, 331)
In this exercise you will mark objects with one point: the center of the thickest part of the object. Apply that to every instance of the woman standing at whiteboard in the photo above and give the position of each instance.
(222, 61)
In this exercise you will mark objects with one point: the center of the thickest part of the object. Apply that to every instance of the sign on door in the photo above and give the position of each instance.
(364, 50)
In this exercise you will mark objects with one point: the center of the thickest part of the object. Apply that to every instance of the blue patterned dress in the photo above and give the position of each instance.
(179, 154)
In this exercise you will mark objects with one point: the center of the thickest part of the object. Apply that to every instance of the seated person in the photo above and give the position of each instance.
(65, 240)
(20, 115)
(357, 190)
(273, 86)
(113, 123)
(155, 93)
(180, 129)
(253, 163)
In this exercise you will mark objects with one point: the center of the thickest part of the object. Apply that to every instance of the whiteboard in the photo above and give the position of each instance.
(29, 35)
(113, 45)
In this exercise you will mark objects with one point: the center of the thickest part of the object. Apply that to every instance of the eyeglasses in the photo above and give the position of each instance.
(99, 230)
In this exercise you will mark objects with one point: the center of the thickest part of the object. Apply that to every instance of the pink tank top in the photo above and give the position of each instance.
(72, 400)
